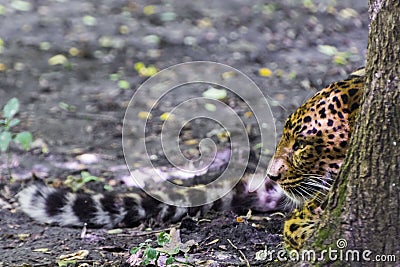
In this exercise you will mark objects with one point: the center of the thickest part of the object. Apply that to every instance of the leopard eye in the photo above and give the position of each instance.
(298, 145)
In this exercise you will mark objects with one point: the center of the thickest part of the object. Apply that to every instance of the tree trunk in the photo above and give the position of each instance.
(364, 203)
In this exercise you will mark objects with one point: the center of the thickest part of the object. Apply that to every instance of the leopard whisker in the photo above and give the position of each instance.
(314, 191)
(312, 186)
(304, 193)
(317, 185)
(317, 195)
(322, 178)
(297, 195)
(292, 200)
(322, 181)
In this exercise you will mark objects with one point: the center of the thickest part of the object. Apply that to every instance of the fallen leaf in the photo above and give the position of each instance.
(22, 237)
(89, 20)
(79, 255)
(73, 51)
(191, 142)
(3, 67)
(348, 13)
(148, 10)
(210, 107)
(88, 158)
(123, 84)
(115, 231)
(264, 72)
(166, 116)
(21, 5)
(248, 114)
(240, 219)
(175, 245)
(215, 93)
(227, 75)
(327, 50)
(144, 115)
(44, 250)
(57, 60)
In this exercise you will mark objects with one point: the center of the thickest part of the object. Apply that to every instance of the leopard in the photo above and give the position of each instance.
(300, 173)
(313, 146)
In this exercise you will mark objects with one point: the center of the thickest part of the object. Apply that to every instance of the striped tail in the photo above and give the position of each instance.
(56, 206)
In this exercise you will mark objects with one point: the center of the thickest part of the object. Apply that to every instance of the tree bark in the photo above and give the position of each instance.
(364, 203)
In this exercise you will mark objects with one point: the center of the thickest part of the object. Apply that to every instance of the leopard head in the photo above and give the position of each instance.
(315, 141)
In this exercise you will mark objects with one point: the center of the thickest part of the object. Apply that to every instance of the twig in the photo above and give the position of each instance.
(144, 233)
(91, 116)
(183, 262)
(84, 230)
(241, 253)
(8, 165)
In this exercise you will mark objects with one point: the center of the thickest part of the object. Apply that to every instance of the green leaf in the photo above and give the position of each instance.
(170, 260)
(115, 77)
(11, 108)
(24, 139)
(341, 58)
(13, 122)
(87, 177)
(123, 84)
(108, 187)
(66, 106)
(168, 16)
(163, 238)
(150, 254)
(134, 250)
(327, 50)
(5, 139)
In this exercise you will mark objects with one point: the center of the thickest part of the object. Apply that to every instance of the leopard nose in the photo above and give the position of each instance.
(274, 178)
(275, 169)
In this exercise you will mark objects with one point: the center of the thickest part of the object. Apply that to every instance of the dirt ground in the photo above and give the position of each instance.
(75, 109)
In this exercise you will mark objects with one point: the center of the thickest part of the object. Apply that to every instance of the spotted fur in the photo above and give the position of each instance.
(312, 148)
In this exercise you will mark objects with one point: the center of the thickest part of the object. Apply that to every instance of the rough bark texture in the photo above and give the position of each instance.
(364, 205)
